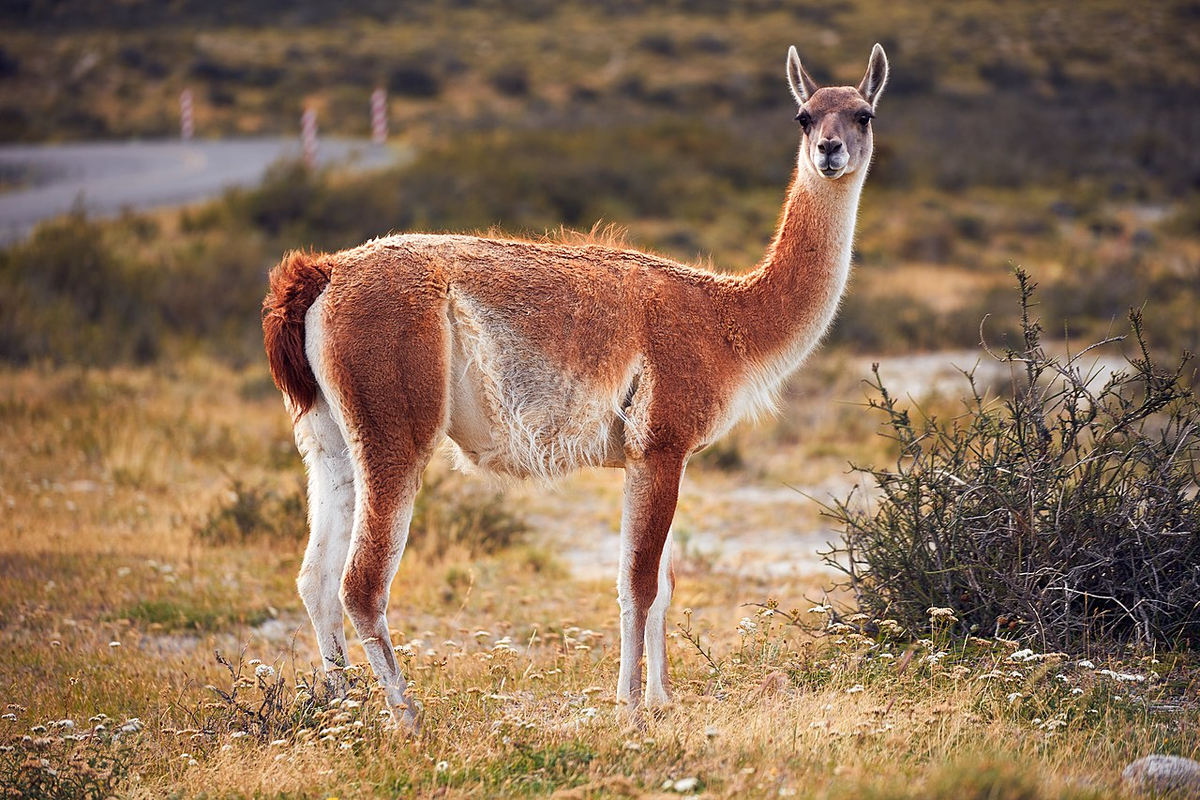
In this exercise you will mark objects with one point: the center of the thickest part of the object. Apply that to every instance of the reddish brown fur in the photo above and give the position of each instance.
(388, 366)
(294, 285)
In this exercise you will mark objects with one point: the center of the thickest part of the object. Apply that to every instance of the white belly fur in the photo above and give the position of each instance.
(513, 413)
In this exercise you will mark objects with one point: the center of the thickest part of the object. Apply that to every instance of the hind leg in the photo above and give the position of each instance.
(380, 535)
(384, 369)
(387, 469)
(330, 510)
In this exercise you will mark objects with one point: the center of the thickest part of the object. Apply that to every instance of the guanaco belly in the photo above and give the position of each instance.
(515, 412)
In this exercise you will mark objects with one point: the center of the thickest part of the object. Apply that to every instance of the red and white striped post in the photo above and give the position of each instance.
(308, 135)
(379, 123)
(187, 126)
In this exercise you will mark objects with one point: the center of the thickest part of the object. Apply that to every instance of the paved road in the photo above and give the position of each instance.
(107, 177)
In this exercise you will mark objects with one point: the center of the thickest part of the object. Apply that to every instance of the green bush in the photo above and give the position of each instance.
(1067, 516)
(102, 293)
(251, 513)
(450, 511)
(66, 293)
(902, 322)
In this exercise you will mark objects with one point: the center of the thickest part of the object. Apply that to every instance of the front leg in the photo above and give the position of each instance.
(651, 492)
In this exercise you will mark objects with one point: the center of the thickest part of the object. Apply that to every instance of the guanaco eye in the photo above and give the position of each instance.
(865, 118)
(805, 120)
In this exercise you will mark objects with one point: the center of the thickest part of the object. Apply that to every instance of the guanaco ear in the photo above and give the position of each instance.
(876, 77)
(803, 86)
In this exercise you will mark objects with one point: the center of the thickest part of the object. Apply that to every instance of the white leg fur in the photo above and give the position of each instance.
(656, 633)
(331, 508)
(629, 676)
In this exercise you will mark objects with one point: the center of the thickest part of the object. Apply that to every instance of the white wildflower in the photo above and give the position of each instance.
(684, 785)
(892, 627)
(942, 614)
(264, 671)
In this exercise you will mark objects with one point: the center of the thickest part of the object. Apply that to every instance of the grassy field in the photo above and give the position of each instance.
(119, 603)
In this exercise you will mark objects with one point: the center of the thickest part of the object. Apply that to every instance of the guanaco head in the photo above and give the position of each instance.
(837, 119)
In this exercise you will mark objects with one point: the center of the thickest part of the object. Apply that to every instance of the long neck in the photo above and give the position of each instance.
(785, 305)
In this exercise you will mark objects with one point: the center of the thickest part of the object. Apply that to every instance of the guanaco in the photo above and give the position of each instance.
(538, 358)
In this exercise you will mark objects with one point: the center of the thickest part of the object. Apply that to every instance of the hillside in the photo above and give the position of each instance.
(1011, 94)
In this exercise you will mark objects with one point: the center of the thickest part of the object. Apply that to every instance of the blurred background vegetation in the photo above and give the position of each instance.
(1056, 136)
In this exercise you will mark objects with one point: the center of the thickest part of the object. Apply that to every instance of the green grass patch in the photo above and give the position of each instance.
(177, 615)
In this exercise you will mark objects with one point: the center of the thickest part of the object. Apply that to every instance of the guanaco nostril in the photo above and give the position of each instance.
(829, 146)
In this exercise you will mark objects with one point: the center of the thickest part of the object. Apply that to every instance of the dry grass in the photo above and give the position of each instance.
(113, 607)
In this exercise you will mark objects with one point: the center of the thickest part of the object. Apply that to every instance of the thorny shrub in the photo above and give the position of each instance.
(1066, 516)
(263, 706)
